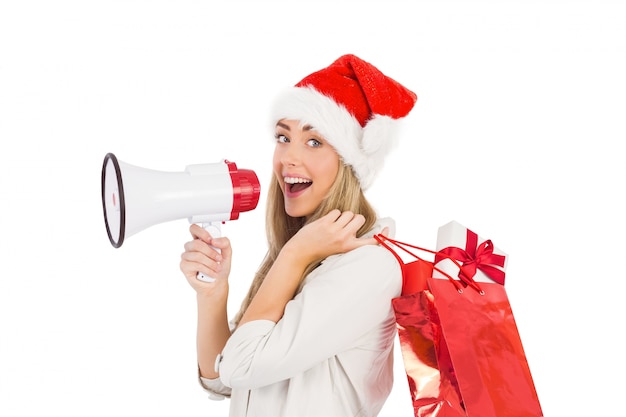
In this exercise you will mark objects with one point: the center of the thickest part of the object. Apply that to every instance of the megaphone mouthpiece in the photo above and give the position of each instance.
(246, 190)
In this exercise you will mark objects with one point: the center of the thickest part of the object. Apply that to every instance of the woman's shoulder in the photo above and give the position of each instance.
(370, 256)
(380, 224)
(370, 268)
(377, 251)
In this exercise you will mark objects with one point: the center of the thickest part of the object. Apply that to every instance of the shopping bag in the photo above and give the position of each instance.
(460, 345)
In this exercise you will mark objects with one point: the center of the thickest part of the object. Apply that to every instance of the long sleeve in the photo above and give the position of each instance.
(342, 300)
(214, 388)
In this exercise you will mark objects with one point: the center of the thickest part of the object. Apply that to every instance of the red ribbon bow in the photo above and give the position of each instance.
(475, 257)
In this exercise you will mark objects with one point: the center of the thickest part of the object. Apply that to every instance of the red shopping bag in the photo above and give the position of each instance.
(460, 345)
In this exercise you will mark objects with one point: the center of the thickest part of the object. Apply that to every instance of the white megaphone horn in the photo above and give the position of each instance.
(135, 198)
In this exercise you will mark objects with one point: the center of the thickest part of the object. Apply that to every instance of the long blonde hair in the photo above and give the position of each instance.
(345, 194)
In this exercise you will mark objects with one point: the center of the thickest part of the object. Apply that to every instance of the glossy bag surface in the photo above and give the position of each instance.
(460, 345)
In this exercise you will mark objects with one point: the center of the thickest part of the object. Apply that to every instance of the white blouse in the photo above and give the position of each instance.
(331, 354)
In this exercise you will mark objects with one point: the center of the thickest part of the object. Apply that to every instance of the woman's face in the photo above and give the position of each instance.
(305, 166)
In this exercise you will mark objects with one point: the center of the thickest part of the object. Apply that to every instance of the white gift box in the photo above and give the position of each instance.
(454, 234)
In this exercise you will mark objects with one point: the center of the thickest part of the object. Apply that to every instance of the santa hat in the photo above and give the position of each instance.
(355, 107)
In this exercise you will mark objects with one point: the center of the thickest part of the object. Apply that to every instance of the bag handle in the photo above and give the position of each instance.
(464, 277)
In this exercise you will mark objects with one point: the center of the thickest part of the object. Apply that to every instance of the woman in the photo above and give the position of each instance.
(314, 336)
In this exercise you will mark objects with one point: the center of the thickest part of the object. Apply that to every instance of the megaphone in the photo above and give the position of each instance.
(135, 198)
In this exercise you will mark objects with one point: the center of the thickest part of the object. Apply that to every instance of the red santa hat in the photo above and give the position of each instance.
(355, 107)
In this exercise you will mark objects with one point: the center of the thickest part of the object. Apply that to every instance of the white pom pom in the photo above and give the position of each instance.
(379, 138)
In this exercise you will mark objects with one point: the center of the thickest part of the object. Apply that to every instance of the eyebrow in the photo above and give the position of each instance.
(286, 127)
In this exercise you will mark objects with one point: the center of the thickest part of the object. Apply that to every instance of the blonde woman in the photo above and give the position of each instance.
(314, 336)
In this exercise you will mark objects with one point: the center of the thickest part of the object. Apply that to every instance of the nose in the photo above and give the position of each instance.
(291, 155)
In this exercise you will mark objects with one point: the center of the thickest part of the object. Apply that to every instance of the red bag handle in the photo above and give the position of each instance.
(380, 238)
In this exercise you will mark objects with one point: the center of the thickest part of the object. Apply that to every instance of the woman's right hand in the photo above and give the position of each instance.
(200, 256)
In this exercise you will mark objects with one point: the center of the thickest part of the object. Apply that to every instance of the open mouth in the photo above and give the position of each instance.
(295, 185)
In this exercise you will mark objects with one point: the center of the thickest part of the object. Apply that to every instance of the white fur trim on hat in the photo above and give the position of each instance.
(364, 149)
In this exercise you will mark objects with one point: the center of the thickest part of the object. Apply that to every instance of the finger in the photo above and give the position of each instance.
(194, 261)
(333, 215)
(359, 220)
(199, 258)
(191, 271)
(220, 242)
(200, 252)
(223, 244)
(199, 232)
(355, 222)
(345, 218)
(205, 248)
(219, 248)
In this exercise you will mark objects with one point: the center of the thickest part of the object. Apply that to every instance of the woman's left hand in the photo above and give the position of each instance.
(331, 234)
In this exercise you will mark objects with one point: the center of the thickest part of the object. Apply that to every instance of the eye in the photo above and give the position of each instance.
(314, 143)
(281, 138)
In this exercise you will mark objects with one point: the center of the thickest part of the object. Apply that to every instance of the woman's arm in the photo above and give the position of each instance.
(346, 297)
(278, 287)
(212, 323)
(331, 234)
(212, 332)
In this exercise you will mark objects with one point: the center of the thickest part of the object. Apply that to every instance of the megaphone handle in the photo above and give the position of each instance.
(215, 231)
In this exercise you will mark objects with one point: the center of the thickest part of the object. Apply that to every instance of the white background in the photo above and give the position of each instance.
(518, 133)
